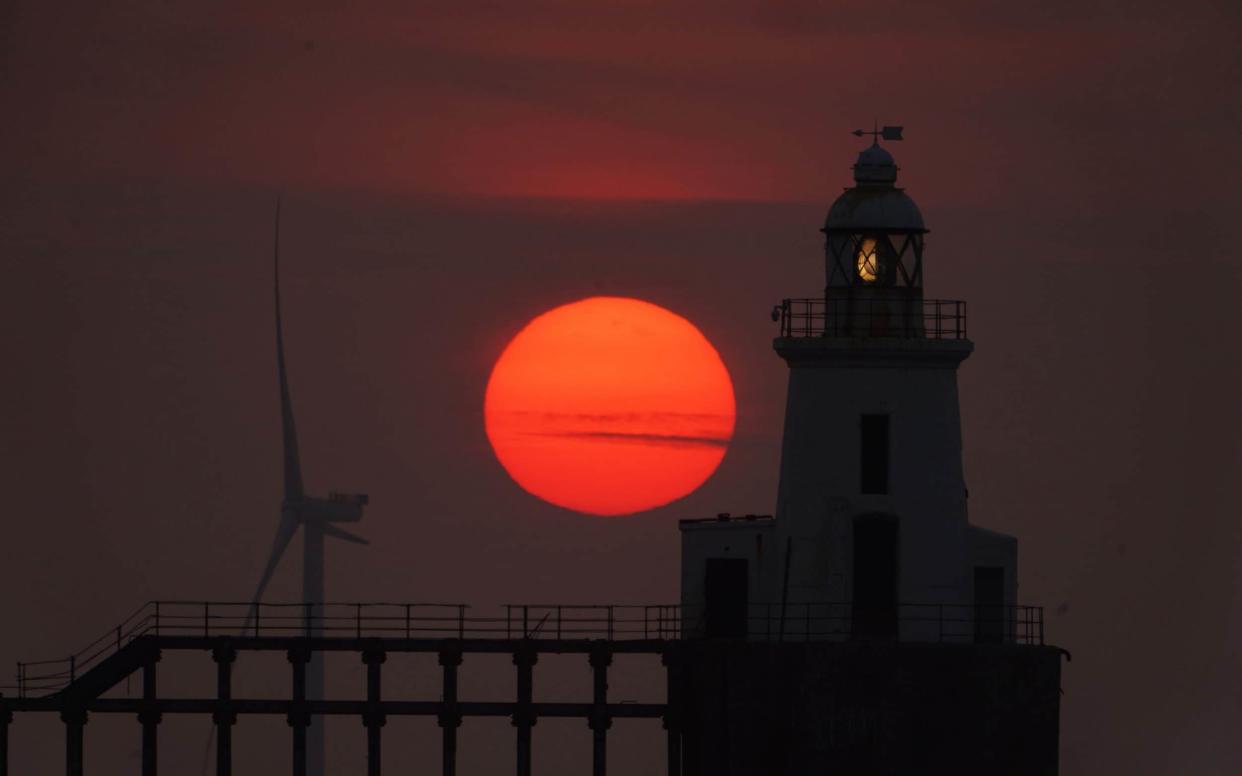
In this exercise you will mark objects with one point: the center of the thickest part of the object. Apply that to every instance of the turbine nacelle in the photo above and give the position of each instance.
(358, 500)
(337, 508)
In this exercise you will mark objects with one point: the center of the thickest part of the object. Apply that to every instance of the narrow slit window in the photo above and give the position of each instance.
(873, 454)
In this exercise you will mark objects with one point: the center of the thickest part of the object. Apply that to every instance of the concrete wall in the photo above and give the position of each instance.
(870, 709)
(832, 383)
(739, 537)
(993, 548)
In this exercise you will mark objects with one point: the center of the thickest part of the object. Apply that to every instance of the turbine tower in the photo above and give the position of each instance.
(317, 517)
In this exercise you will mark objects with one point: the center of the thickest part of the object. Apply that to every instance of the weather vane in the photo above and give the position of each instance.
(887, 133)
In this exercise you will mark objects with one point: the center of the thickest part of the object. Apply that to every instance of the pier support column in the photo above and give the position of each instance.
(373, 718)
(601, 658)
(449, 718)
(6, 718)
(524, 658)
(299, 716)
(75, 722)
(675, 716)
(224, 717)
(149, 718)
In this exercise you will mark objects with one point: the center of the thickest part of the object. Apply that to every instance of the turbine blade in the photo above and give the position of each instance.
(293, 466)
(284, 534)
(341, 533)
(211, 737)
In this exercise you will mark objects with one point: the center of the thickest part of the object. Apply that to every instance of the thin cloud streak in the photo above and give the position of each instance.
(673, 440)
(480, 99)
(621, 417)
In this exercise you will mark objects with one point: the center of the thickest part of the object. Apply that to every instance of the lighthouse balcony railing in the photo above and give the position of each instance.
(876, 317)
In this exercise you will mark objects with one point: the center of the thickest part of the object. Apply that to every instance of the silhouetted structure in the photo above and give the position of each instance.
(867, 628)
(88, 682)
(317, 517)
(912, 653)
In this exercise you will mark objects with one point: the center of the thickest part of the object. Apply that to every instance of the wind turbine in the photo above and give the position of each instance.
(317, 517)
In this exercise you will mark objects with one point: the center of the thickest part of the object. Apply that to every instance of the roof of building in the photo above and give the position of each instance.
(726, 519)
(874, 203)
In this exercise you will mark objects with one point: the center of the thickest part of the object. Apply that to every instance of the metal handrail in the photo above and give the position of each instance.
(909, 622)
(654, 622)
(874, 317)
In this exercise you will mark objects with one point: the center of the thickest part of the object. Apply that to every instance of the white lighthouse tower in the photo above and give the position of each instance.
(870, 537)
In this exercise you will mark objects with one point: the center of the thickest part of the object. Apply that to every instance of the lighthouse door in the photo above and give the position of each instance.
(875, 577)
(726, 594)
(989, 604)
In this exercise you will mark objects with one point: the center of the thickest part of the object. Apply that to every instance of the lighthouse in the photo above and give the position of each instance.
(872, 500)
(867, 624)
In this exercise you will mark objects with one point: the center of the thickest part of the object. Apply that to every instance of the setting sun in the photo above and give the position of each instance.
(609, 406)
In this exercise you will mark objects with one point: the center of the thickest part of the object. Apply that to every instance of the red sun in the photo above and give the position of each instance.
(609, 406)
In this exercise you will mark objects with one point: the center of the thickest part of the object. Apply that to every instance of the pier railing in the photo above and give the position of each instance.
(947, 623)
(353, 620)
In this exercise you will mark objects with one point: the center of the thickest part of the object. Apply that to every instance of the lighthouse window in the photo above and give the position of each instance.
(873, 454)
(868, 260)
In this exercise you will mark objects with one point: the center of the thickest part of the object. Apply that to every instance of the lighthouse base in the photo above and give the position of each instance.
(870, 709)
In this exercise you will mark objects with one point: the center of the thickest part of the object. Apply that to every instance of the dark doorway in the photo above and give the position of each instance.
(875, 577)
(727, 597)
(989, 604)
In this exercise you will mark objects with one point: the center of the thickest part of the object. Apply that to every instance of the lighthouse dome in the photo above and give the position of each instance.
(875, 165)
(874, 204)
(874, 209)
